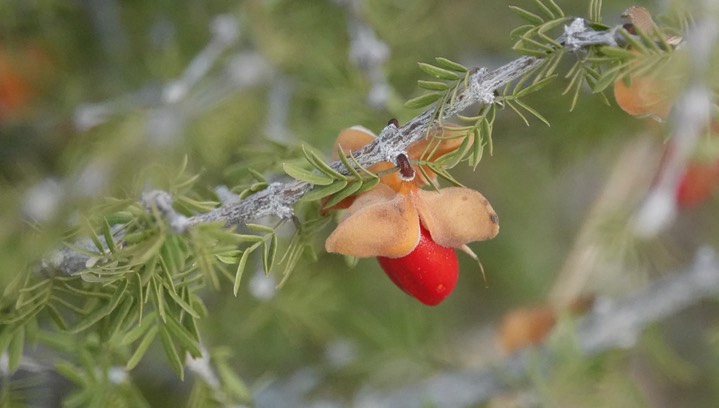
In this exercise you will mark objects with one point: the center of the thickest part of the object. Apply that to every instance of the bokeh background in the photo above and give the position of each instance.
(86, 112)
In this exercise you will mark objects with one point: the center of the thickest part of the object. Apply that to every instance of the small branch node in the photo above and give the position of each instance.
(162, 201)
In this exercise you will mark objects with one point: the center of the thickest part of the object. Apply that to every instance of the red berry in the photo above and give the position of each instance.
(429, 272)
(698, 183)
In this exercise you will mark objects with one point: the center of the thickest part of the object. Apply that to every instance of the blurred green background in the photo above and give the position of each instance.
(109, 61)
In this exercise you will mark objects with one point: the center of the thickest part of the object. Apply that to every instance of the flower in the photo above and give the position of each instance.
(353, 138)
(412, 232)
(385, 221)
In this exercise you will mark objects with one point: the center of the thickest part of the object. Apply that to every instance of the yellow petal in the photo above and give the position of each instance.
(379, 223)
(455, 216)
(351, 139)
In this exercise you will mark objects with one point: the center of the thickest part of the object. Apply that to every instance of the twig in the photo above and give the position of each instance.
(392, 140)
(279, 198)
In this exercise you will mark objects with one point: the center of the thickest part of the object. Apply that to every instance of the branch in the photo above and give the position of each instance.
(278, 199)
(609, 325)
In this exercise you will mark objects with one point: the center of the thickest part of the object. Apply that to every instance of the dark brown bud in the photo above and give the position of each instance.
(406, 172)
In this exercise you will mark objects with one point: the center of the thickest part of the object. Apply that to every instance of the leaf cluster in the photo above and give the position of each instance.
(476, 130)
(599, 66)
(142, 285)
(354, 179)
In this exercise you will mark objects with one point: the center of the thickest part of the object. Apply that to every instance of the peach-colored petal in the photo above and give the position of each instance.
(351, 139)
(379, 223)
(455, 216)
(439, 143)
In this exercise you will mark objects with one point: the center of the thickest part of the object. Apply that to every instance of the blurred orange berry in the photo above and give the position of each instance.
(524, 327)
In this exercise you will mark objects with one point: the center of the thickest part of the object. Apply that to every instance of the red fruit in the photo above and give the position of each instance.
(698, 183)
(429, 272)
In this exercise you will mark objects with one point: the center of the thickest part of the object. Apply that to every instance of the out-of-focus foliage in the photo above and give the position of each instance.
(86, 114)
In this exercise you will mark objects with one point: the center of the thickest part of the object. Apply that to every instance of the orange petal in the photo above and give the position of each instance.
(351, 139)
(379, 223)
(455, 216)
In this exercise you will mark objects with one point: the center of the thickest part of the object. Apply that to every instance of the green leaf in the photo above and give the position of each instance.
(56, 317)
(488, 126)
(95, 239)
(441, 172)
(305, 175)
(539, 45)
(107, 234)
(517, 111)
(147, 250)
(173, 356)
(71, 372)
(140, 298)
(182, 336)
(191, 324)
(534, 87)
(347, 192)
(15, 348)
(345, 162)
(321, 165)
(117, 317)
(632, 41)
(232, 382)
(141, 348)
(183, 305)
(520, 31)
(433, 85)
(148, 322)
(617, 52)
(120, 217)
(604, 81)
(241, 267)
(172, 255)
(532, 111)
(529, 51)
(260, 228)
(549, 66)
(368, 185)
(554, 7)
(422, 101)
(530, 17)
(99, 313)
(257, 175)
(478, 147)
(240, 238)
(156, 289)
(269, 252)
(547, 12)
(324, 191)
(550, 25)
(450, 65)
(438, 72)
